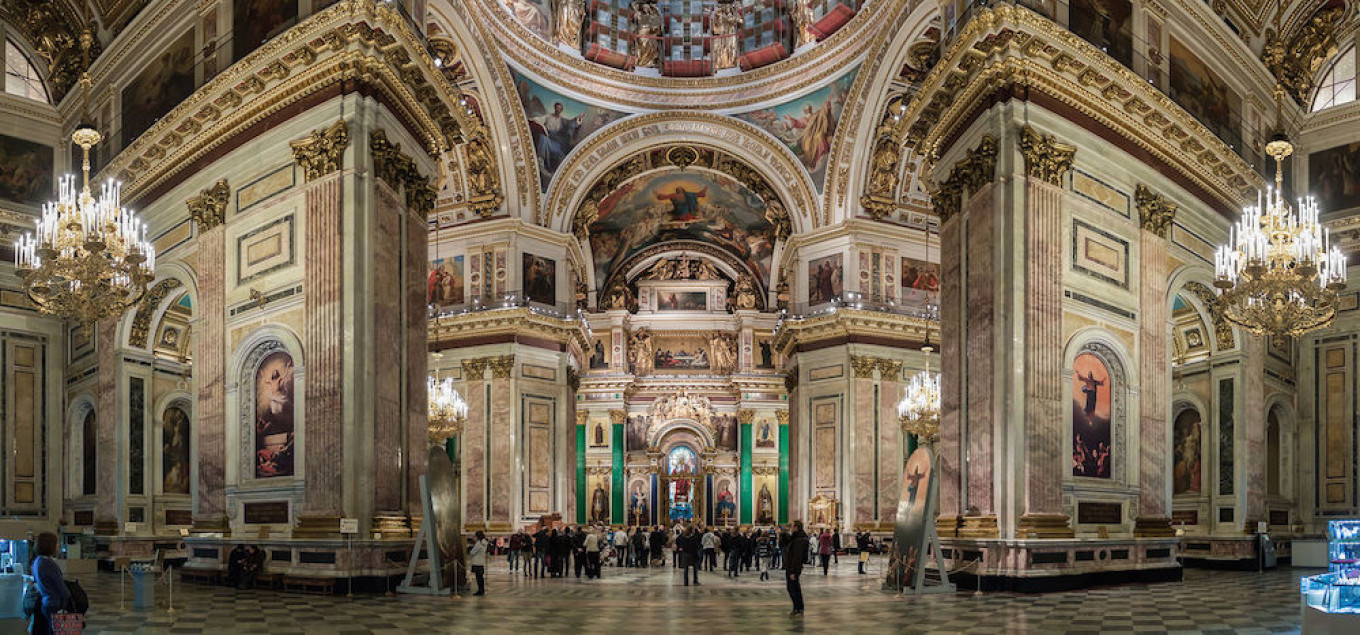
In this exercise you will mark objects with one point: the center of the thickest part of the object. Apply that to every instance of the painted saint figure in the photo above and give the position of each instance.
(724, 27)
(638, 506)
(684, 203)
(765, 506)
(646, 39)
(569, 14)
(1090, 388)
(558, 133)
(818, 127)
(599, 505)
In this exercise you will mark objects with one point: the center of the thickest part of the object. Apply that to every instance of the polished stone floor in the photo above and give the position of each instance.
(655, 601)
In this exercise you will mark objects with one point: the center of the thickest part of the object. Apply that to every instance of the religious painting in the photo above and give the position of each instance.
(274, 430)
(638, 508)
(1334, 177)
(767, 434)
(599, 435)
(725, 432)
(765, 512)
(680, 354)
(136, 474)
(764, 353)
(444, 285)
(89, 454)
(681, 468)
(175, 451)
(254, 22)
(726, 507)
(540, 279)
(910, 535)
(1108, 24)
(920, 282)
(557, 124)
(807, 125)
(693, 205)
(1186, 474)
(825, 277)
(26, 170)
(1091, 407)
(636, 433)
(535, 15)
(165, 82)
(599, 498)
(599, 354)
(1202, 93)
(681, 300)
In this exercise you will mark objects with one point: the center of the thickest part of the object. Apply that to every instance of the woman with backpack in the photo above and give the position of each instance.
(48, 594)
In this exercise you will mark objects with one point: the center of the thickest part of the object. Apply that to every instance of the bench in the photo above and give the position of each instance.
(206, 576)
(325, 586)
(268, 580)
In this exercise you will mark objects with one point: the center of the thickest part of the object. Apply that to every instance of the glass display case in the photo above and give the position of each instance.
(1331, 601)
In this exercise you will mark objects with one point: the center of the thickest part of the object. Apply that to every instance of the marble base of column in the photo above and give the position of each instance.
(1045, 526)
(211, 525)
(317, 526)
(947, 525)
(1153, 527)
(979, 527)
(392, 525)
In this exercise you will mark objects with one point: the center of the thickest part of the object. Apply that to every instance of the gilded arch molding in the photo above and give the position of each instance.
(628, 137)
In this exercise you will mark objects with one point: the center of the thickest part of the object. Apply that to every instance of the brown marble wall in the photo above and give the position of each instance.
(473, 444)
(1044, 452)
(501, 429)
(863, 463)
(323, 343)
(1252, 455)
(1154, 380)
(210, 374)
(107, 420)
(890, 449)
(981, 333)
(384, 242)
(952, 316)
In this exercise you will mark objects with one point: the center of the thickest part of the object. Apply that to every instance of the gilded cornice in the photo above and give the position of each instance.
(1154, 211)
(353, 40)
(864, 366)
(1045, 158)
(323, 151)
(209, 208)
(847, 322)
(475, 369)
(604, 84)
(516, 321)
(1010, 46)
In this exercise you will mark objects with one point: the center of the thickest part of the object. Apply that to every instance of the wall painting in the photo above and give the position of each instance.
(274, 412)
(1091, 408)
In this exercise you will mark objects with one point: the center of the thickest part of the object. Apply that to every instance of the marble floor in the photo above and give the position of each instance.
(655, 601)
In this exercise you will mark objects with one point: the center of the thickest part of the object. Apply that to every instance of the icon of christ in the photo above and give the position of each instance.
(684, 203)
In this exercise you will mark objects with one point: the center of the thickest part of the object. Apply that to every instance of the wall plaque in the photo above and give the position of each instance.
(271, 513)
(1100, 513)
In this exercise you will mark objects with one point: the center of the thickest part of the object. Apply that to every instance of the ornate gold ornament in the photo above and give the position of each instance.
(791, 380)
(447, 411)
(968, 175)
(399, 171)
(745, 293)
(863, 366)
(1223, 333)
(146, 309)
(322, 151)
(502, 366)
(475, 369)
(1045, 158)
(573, 379)
(1279, 274)
(58, 37)
(209, 208)
(682, 268)
(89, 258)
(681, 405)
(484, 192)
(919, 409)
(1295, 62)
(682, 156)
(640, 351)
(1154, 211)
(722, 352)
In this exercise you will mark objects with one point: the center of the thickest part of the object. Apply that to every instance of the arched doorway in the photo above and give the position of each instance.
(681, 484)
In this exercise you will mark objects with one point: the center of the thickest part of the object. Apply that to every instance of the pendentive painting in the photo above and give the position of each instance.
(274, 412)
(26, 170)
(1108, 24)
(175, 451)
(807, 124)
(165, 82)
(255, 21)
(1185, 452)
(1091, 406)
(920, 281)
(1334, 177)
(557, 124)
(444, 286)
(825, 277)
(540, 279)
(693, 205)
(1202, 93)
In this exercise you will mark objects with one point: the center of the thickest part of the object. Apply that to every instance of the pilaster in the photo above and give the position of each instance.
(473, 443)
(500, 441)
(1154, 496)
(210, 513)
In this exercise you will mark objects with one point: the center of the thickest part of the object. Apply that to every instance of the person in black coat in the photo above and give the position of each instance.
(690, 545)
(640, 547)
(578, 544)
(862, 544)
(836, 545)
(658, 542)
(738, 554)
(793, 567)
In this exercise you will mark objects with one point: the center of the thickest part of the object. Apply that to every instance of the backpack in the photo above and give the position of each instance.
(80, 602)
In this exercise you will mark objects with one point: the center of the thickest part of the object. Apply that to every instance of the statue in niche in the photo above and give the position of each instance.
(640, 352)
(883, 182)
(479, 166)
(646, 41)
(723, 25)
(569, 15)
(746, 293)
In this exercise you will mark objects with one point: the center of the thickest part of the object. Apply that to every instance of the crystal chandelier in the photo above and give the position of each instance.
(90, 258)
(1279, 274)
(919, 409)
(448, 410)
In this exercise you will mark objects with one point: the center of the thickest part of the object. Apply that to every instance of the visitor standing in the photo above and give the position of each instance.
(48, 594)
(836, 545)
(526, 544)
(621, 547)
(578, 544)
(670, 544)
(862, 544)
(824, 549)
(710, 545)
(690, 546)
(639, 547)
(658, 543)
(765, 554)
(738, 550)
(516, 543)
(793, 566)
(592, 553)
(477, 558)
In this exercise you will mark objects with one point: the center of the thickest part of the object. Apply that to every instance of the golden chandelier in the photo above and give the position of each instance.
(447, 410)
(919, 409)
(1279, 275)
(90, 258)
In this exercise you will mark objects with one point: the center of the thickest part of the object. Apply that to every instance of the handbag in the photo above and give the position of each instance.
(68, 623)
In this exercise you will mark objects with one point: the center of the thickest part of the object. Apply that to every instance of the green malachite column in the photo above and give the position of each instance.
(783, 416)
(747, 500)
(910, 445)
(581, 502)
(451, 446)
(617, 517)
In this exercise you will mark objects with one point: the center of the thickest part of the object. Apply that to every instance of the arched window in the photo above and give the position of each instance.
(1337, 85)
(21, 78)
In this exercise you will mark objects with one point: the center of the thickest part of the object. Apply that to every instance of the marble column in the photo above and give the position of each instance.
(1252, 457)
(417, 355)
(862, 450)
(1046, 162)
(796, 453)
(473, 445)
(210, 511)
(952, 315)
(500, 440)
(889, 442)
(744, 421)
(784, 463)
(107, 515)
(1154, 365)
(386, 244)
(980, 519)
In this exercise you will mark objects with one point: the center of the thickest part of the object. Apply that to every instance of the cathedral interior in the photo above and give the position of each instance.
(681, 260)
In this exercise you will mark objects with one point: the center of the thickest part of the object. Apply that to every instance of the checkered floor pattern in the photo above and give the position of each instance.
(656, 601)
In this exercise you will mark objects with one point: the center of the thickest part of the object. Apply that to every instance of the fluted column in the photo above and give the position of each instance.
(210, 511)
(1046, 162)
(980, 341)
(474, 444)
(862, 452)
(385, 243)
(501, 431)
(1154, 365)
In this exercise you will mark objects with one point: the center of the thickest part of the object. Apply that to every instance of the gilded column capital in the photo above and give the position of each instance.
(582, 417)
(474, 369)
(745, 416)
(863, 366)
(889, 369)
(389, 164)
(782, 416)
(968, 175)
(322, 151)
(1154, 211)
(618, 417)
(501, 366)
(1045, 158)
(209, 208)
